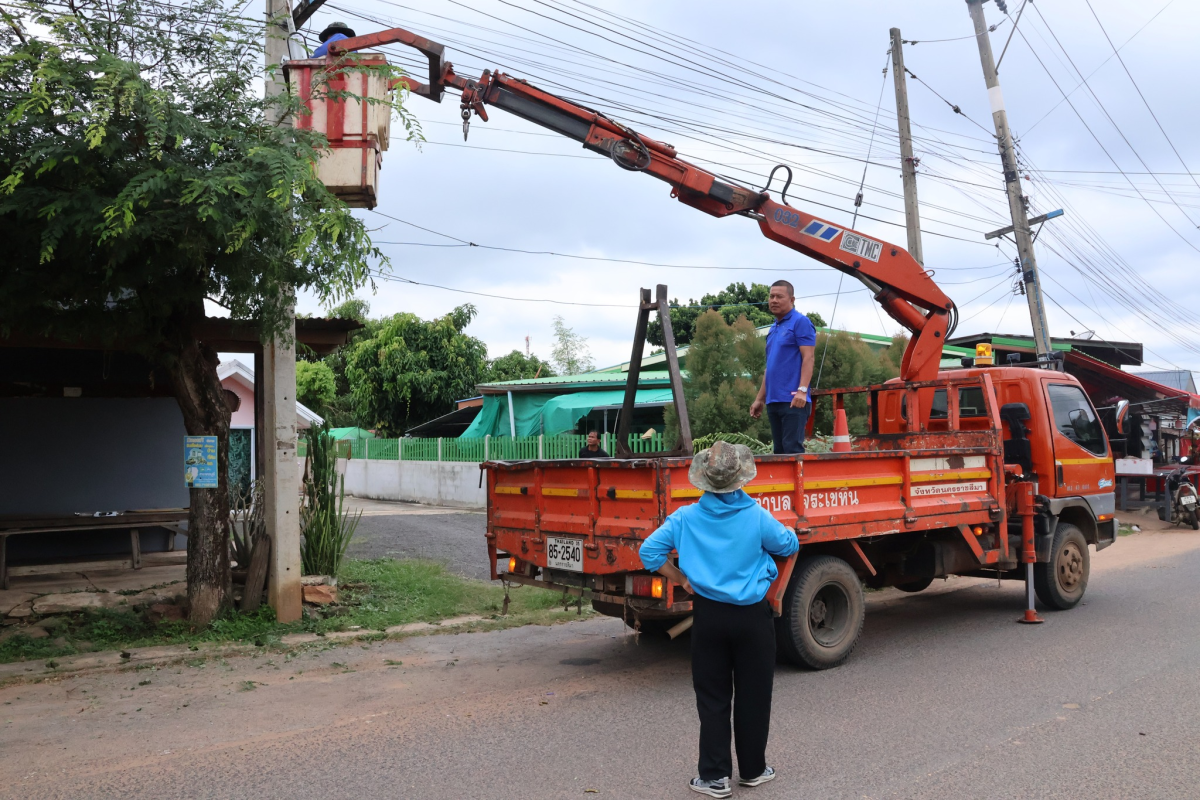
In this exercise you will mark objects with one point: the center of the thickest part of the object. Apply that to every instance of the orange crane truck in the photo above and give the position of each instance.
(998, 471)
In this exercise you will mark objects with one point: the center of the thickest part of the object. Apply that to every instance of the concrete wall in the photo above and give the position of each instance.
(436, 483)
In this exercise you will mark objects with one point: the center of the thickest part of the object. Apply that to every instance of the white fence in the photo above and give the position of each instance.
(438, 483)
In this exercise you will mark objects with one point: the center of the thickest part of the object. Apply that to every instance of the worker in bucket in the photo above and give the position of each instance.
(335, 31)
(791, 345)
(725, 543)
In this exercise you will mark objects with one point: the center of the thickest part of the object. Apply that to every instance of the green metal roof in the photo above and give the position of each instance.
(590, 380)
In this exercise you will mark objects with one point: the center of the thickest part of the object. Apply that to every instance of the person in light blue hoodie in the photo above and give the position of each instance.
(725, 543)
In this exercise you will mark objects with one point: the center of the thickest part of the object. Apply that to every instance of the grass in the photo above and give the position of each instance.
(373, 595)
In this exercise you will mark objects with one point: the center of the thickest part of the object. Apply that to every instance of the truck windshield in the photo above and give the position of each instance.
(1075, 419)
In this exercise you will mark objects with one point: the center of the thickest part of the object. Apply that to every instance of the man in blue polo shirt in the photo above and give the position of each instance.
(791, 345)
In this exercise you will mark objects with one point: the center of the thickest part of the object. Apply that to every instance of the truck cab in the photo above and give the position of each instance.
(1070, 456)
(1052, 435)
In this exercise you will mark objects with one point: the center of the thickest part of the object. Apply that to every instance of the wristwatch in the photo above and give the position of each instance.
(802, 389)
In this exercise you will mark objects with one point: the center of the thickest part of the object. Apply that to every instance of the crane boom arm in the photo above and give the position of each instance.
(900, 285)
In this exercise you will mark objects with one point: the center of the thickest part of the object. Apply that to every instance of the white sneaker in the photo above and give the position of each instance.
(718, 788)
(768, 775)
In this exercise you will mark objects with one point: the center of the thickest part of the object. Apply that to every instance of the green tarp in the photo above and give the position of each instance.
(351, 433)
(550, 414)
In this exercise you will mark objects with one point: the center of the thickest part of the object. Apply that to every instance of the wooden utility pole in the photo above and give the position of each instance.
(1012, 184)
(277, 383)
(908, 164)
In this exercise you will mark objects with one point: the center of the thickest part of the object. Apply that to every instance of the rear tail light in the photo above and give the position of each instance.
(512, 564)
(646, 586)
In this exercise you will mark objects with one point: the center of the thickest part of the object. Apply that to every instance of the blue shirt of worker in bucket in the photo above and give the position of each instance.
(334, 33)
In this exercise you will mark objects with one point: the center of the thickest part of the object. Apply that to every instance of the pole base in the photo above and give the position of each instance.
(1031, 618)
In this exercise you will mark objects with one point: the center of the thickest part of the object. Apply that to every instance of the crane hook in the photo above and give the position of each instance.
(771, 177)
(466, 118)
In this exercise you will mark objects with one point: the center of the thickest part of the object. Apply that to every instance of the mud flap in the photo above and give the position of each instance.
(1106, 533)
(779, 586)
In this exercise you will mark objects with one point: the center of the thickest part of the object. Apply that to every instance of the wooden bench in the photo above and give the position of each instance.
(134, 521)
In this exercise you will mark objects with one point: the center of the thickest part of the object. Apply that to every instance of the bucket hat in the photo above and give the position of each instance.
(336, 27)
(722, 468)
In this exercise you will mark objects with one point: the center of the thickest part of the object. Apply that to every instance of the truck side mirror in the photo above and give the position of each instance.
(1122, 417)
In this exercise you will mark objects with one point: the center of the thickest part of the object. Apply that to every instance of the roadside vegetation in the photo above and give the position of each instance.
(372, 595)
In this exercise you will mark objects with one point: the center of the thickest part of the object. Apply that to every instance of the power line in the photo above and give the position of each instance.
(1101, 66)
(1146, 102)
(1098, 142)
(1109, 116)
(401, 279)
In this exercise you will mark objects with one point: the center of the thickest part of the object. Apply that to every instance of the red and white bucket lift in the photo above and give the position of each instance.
(338, 94)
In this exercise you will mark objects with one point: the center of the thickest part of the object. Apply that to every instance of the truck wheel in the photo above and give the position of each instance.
(1061, 582)
(823, 612)
(912, 587)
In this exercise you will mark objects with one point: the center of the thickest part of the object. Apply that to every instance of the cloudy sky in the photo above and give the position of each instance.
(738, 89)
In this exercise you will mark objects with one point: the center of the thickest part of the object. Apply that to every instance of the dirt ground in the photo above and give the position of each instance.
(945, 696)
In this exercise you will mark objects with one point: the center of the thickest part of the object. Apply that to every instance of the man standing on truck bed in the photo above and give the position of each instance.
(791, 345)
(725, 543)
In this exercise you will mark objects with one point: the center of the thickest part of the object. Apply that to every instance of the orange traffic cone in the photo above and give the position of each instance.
(841, 431)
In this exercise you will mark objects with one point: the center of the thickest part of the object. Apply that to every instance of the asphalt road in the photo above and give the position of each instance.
(946, 697)
(407, 530)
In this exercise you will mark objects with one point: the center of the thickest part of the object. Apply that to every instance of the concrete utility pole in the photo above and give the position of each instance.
(908, 164)
(277, 383)
(1012, 183)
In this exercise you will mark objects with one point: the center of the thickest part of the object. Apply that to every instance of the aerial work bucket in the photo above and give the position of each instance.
(357, 130)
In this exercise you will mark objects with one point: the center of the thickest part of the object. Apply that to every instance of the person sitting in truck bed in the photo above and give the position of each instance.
(593, 449)
(725, 543)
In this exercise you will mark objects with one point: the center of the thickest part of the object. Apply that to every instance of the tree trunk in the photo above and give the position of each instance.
(205, 413)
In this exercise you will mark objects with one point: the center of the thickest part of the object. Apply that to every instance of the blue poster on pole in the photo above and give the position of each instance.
(200, 461)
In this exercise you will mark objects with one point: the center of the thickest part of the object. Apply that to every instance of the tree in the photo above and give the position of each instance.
(725, 366)
(340, 411)
(315, 385)
(736, 300)
(516, 366)
(849, 362)
(140, 176)
(570, 354)
(412, 370)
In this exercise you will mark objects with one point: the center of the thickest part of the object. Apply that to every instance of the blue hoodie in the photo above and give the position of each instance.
(725, 543)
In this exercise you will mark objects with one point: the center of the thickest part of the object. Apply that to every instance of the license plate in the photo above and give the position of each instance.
(564, 553)
(1188, 500)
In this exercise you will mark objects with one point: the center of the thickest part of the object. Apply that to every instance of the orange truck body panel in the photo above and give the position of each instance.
(943, 471)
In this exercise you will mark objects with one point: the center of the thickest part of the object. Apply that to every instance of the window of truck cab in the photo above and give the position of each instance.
(1075, 418)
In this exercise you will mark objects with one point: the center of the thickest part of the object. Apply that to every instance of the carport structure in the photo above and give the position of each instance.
(93, 428)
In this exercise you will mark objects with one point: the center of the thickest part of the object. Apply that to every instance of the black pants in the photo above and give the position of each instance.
(787, 426)
(733, 659)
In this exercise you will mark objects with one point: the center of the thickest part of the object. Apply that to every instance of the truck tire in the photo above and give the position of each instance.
(912, 587)
(823, 611)
(1061, 582)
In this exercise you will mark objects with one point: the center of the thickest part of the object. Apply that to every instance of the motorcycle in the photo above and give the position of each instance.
(1185, 502)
